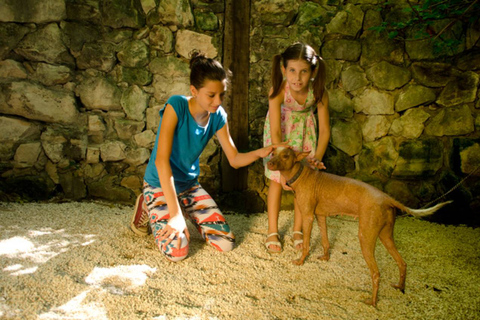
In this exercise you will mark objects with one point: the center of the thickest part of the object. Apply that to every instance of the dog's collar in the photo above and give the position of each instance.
(295, 177)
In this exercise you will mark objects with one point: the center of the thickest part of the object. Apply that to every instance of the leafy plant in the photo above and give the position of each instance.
(431, 20)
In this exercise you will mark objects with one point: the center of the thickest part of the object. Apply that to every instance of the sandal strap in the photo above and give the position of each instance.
(272, 234)
(298, 232)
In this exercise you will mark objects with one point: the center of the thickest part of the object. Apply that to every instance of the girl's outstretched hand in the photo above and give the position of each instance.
(265, 151)
(175, 226)
(316, 164)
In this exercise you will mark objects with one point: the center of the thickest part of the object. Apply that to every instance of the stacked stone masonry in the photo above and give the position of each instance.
(81, 84)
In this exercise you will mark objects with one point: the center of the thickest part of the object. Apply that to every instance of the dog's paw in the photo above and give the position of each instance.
(324, 257)
(298, 262)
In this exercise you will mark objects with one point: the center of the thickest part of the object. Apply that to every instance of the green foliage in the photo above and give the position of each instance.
(424, 21)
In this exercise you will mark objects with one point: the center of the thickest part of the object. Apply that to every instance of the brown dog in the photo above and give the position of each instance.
(323, 194)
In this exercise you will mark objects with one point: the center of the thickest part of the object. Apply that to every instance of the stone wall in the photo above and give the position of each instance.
(81, 83)
(404, 118)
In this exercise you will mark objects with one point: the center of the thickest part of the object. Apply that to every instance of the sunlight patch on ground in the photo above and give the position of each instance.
(120, 279)
(35, 247)
(87, 305)
(77, 308)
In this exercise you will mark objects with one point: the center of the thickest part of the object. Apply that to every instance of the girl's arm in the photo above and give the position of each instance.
(239, 159)
(323, 131)
(275, 113)
(176, 222)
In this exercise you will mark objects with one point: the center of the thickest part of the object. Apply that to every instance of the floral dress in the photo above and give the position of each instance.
(298, 124)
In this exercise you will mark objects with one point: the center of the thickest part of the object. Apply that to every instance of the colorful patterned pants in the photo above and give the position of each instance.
(198, 206)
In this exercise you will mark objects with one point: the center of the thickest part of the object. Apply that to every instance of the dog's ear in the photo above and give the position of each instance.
(301, 155)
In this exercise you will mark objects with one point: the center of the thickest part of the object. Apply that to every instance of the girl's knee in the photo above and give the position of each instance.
(172, 252)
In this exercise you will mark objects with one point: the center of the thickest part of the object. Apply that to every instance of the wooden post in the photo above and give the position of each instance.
(236, 57)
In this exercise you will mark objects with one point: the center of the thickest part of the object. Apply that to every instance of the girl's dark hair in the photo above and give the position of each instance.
(203, 69)
(299, 51)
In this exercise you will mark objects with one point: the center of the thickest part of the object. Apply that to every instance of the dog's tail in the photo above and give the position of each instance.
(421, 212)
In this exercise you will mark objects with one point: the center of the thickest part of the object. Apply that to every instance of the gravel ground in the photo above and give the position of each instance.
(80, 261)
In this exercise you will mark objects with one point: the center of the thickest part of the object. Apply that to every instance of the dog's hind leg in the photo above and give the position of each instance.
(386, 236)
(368, 234)
(322, 225)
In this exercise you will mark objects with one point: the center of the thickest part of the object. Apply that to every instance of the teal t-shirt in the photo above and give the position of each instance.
(189, 140)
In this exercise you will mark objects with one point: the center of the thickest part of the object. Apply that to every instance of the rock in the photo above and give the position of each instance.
(122, 13)
(470, 61)
(375, 127)
(108, 188)
(402, 192)
(470, 159)
(132, 183)
(347, 136)
(35, 102)
(53, 144)
(136, 157)
(189, 40)
(310, 14)
(462, 89)
(132, 76)
(342, 49)
(171, 76)
(161, 38)
(410, 125)
(12, 34)
(73, 185)
(388, 76)
(12, 70)
(51, 75)
(419, 158)
(347, 22)
(95, 124)
(134, 54)
(126, 129)
(134, 102)
(337, 161)
(207, 21)
(45, 45)
(145, 139)
(153, 117)
(372, 101)
(113, 151)
(339, 104)
(451, 121)
(27, 154)
(432, 74)
(16, 130)
(93, 154)
(378, 156)
(274, 12)
(148, 5)
(32, 11)
(413, 96)
(353, 78)
(424, 49)
(97, 55)
(99, 93)
(176, 12)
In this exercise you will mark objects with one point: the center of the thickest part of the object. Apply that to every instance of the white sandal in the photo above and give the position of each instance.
(299, 241)
(275, 243)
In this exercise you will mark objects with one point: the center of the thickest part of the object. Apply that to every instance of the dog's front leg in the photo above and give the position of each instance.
(322, 225)
(307, 223)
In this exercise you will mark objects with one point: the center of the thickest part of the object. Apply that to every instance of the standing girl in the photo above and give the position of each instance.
(171, 188)
(298, 91)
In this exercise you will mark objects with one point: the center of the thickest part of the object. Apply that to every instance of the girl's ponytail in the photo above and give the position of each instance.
(319, 80)
(277, 76)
